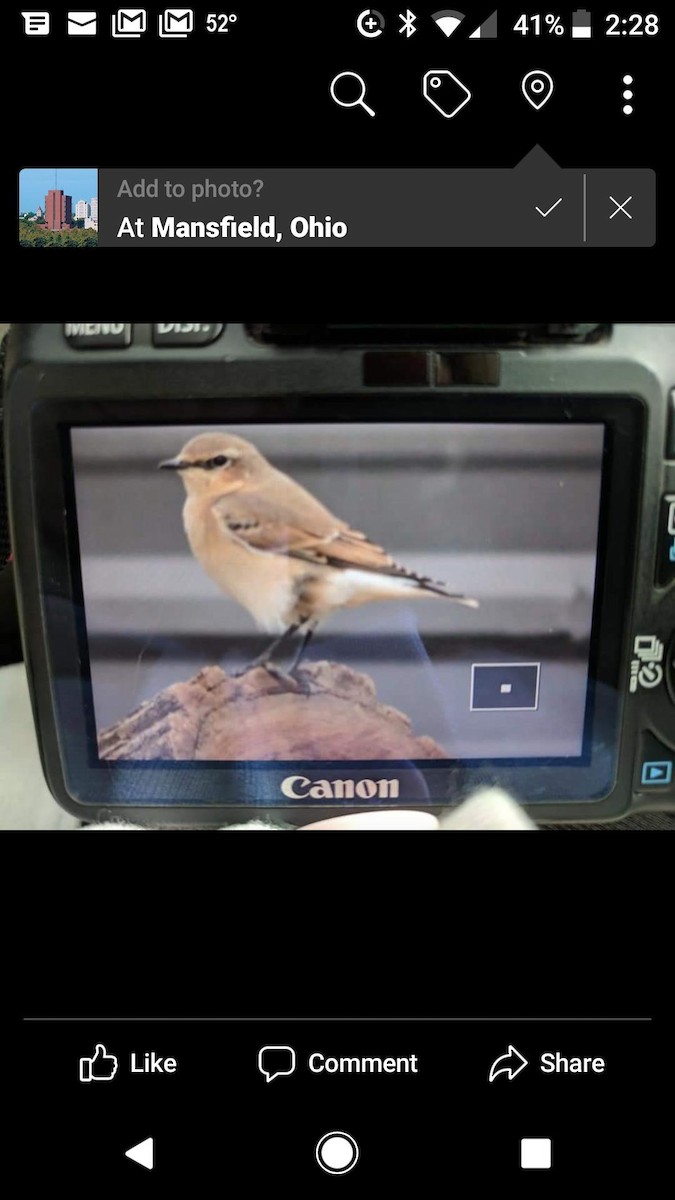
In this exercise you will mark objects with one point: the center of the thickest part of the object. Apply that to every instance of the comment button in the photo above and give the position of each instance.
(275, 1061)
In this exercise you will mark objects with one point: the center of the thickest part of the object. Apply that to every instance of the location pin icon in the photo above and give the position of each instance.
(537, 88)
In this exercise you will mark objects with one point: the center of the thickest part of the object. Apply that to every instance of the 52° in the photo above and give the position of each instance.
(220, 22)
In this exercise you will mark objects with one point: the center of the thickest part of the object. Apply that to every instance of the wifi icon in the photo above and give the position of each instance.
(448, 20)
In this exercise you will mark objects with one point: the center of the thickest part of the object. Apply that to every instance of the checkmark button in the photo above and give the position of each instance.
(548, 210)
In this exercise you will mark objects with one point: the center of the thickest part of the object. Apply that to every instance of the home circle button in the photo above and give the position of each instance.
(337, 1152)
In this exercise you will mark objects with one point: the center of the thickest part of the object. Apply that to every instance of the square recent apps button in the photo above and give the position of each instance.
(535, 1154)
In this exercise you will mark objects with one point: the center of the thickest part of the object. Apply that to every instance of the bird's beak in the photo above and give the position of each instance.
(173, 464)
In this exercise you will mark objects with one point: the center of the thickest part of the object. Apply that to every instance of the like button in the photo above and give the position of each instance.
(100, 1066)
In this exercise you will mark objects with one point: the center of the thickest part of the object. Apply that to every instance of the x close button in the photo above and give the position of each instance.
(621, 207)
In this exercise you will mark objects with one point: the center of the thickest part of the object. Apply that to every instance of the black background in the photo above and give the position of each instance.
(258, 96)
(217, 1118)
(382, 926)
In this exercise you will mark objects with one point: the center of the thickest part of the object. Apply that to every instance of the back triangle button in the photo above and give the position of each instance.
(143, 1153)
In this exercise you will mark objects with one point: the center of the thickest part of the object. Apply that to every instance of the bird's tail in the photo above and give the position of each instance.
(439, 589)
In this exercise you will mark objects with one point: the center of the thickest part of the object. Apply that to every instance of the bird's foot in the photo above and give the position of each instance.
(290, 679)
(302, 679)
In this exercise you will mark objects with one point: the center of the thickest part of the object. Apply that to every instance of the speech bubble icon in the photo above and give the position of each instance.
(276, 1060)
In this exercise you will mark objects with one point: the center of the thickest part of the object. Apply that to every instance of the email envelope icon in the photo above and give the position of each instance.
(176, 22)
(129, 22)
(82, 24)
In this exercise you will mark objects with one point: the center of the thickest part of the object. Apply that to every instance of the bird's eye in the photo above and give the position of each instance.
(219, 461)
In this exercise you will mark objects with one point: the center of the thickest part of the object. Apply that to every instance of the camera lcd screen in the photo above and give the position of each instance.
(436, 583)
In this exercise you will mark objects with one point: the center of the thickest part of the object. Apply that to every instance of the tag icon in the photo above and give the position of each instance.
(445, 92)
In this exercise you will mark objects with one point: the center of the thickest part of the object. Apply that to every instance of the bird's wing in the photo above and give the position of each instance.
(286, 519)
(305, 530)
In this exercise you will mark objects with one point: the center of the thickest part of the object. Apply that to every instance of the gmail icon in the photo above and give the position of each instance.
(129, 22)
(176, 22)
(81, 24)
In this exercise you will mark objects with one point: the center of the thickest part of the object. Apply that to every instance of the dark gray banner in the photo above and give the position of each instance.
(535, 204)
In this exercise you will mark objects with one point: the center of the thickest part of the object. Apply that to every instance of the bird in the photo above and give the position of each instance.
(273, 547)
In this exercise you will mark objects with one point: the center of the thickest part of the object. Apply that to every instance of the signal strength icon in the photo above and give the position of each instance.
(448, 20)
(487, 30)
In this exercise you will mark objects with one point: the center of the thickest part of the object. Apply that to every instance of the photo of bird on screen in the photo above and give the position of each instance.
(275, 549)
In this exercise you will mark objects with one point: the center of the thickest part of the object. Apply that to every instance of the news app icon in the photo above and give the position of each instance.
(176, 22)
(36, 24)
(129, 22)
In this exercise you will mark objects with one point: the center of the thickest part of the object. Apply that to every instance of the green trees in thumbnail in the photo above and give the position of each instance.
(32, 235)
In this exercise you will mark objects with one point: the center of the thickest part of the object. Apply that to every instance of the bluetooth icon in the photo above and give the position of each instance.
(408, 27)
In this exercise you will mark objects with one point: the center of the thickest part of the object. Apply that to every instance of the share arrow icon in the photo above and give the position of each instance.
(510, 1064)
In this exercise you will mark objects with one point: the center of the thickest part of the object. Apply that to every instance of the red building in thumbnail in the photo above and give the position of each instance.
(58, 210)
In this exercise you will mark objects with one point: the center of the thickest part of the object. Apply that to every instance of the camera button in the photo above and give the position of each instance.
(665, 570)
(670, 427)
(655, 766)
(670, 669)
(185, 335)
(97, 337)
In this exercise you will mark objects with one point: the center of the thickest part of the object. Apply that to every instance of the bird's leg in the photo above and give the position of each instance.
(263, 659)
(290, 676)
(309, 633)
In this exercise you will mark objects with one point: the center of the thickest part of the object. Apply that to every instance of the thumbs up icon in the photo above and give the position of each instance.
(100, 1066)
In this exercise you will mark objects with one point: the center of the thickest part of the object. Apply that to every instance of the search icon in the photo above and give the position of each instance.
(360, 99)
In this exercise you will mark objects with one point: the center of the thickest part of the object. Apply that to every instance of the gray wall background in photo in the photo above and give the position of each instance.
(508, 514)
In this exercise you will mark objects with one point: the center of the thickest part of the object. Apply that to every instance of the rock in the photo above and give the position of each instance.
(329, 711)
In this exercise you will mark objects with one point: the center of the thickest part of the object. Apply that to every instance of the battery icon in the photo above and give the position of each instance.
(581, 23)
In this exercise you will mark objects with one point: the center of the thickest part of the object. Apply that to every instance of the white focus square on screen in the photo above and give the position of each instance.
(535, 1154)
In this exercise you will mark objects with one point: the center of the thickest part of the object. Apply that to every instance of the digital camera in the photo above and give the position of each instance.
(307, 570)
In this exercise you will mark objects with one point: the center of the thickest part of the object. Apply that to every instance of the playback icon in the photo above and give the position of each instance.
(656, 774)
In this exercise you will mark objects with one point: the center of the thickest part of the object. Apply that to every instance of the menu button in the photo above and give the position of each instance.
(96, 337)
